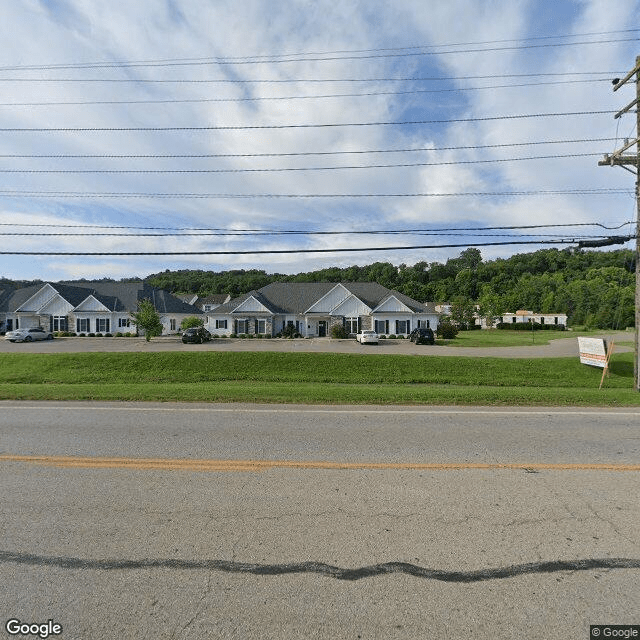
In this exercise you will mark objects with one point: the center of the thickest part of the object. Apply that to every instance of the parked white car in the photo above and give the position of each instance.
(28, 335)
(367, 337)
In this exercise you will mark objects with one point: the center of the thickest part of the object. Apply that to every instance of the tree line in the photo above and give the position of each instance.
(594, 288)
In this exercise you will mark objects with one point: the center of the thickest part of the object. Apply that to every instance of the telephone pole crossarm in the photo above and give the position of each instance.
(617, 159)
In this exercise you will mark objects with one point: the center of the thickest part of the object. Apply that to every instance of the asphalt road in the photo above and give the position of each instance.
(241, 521)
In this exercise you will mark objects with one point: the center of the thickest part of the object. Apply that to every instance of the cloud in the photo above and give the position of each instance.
(332, 37)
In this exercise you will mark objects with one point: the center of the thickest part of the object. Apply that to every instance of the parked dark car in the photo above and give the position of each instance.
(196, 334)
(422, 335)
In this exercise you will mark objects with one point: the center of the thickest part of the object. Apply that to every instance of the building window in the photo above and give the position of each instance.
(242, 326)
(402, 326)
(124, 322)
(59, 323)
(102, 325)
(351, 325)
(513, 320)
(83, 325)
(261, 326)
(207, 307)
(382, 326)
(221, 324)
(172, 324)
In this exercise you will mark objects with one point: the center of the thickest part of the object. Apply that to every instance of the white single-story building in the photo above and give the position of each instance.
(314, 308)
(522, 316)
(88, 307)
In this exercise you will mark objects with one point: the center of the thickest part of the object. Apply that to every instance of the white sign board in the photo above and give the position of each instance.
(593, 351)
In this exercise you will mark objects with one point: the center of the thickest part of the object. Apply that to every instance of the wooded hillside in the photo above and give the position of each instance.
(594, 288)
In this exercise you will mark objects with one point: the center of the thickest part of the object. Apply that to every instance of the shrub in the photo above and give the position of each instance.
(392, 336)
(339, 332)
(289, 332)
(91, 335)
(446, 329)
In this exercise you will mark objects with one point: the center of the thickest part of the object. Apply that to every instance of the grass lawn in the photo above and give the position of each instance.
(330, 378)
(505, 338)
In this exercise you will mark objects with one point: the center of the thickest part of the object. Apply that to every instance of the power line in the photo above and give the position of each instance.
(303, 232)
(303, 153)
(169, 61)
(619, 240)
(607, 74)
(247, 196)
(303, 97)
(298, 126)
(327, 58)
(209, 60)
(292, 169)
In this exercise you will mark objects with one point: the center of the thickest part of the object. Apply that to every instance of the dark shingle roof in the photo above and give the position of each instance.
(297, 297)
(116, 296)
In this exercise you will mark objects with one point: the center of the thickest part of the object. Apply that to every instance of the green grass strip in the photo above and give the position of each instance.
(314, 378)
(329, 393)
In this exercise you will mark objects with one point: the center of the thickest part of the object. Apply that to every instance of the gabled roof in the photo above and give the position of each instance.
(254, 302)
(115, 296)
(296, 298)
(214, 298)
(392, 303)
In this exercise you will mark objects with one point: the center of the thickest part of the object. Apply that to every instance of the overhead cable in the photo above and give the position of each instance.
(300, 153)
(294, 169)
(169, 61)
(308, 232)
(293, 251)
(607, 74)
(298, 126)
(302, 97)
(337, 56)
(248, 196)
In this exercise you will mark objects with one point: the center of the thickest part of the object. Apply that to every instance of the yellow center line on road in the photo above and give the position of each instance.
(184, 464)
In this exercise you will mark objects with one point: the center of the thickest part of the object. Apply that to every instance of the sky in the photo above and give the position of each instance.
(234, 120)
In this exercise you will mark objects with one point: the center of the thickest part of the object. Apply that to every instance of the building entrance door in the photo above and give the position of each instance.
(322, 328)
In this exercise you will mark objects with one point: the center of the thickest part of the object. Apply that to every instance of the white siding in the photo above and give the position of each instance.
(351, 307)
(90, 304)
(251, 305)
(330, 300)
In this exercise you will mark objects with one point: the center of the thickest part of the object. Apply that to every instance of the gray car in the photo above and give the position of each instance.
(28, 335)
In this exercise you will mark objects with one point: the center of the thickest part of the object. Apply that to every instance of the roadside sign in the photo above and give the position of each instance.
(593, 351)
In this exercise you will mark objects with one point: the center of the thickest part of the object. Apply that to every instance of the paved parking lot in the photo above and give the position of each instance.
(562, 347)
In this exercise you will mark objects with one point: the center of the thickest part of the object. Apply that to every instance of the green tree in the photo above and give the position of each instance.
(191, 321)
(147, 319)
(491, 305)
(462, 312)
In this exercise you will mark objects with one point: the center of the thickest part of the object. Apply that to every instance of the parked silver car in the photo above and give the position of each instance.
(28, 335)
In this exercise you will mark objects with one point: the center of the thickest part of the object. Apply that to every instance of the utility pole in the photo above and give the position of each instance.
(619, 159)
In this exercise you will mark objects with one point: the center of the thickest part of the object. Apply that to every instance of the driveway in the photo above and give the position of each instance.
(562, 347)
